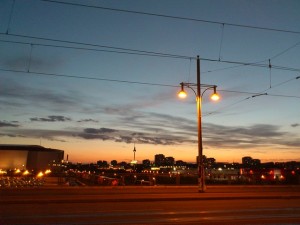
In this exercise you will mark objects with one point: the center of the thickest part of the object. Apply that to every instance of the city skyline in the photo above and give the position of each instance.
(95, 78)
(152, 160)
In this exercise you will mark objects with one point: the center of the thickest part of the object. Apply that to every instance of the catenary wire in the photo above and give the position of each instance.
(117, 49)
(133, 82)
(172, 17)
(286, 50)
(141, 52)
(261, 61)
(87, 78)
(169, 55)
(253, 95)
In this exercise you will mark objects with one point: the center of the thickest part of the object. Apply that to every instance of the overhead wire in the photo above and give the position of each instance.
(261, 61)
(149, 53)
(104, 79)
(134, 82)
(270, 73)
(253, 95)
(10, 16)
(115, 49)
(286, 50)
(221, 42)
(138, 52)
(171, 17)
(87, 78)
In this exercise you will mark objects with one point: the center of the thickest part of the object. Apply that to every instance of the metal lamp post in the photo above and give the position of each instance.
(199, 94)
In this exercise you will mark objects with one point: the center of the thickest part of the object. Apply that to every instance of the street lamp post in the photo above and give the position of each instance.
(199, 94)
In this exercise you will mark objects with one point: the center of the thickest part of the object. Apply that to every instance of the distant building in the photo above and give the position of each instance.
(102, 164)
(169, 161)
(248, 162)
(159, 160)
(255, 163)
(146, 163)
(114, 162)
(180, 163)
(221, 174)
(29, 157)
(209, 162)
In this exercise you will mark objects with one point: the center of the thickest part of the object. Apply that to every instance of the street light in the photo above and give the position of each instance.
(199, 95)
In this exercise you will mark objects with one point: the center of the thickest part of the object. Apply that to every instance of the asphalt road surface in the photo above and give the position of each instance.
(150, 205)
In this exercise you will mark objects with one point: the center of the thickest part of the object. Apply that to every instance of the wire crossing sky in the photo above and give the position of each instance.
(95, 77)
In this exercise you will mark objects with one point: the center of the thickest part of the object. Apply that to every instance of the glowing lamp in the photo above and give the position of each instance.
(215, 96)
(182, 93)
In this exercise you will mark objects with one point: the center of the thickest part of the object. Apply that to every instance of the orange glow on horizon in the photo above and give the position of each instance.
(90, 151)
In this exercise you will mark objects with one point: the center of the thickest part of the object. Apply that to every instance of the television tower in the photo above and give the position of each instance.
(134, 150)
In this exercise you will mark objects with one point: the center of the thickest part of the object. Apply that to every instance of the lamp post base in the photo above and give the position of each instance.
(201, 178)
(201, 187)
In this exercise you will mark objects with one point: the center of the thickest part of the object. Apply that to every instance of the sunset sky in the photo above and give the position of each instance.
(93, 77)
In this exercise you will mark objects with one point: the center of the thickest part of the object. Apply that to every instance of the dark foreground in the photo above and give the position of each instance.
(151, 205)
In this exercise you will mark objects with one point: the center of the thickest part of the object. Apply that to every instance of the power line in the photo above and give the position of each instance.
(116, 49)
(138, 52)
(133, 82)
(253, 95)
(87, 78)
(173, 17)
(286, 50)
(261, 61)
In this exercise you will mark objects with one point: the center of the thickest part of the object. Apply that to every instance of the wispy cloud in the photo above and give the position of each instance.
(99, 131)
(22, 63)
(88, 120)
(214, 136)
(15, 94)
(259, 135)
(51, 119)
(295, 125)
(130, 123)
(11, 135)
(128, 136)
(8, 124)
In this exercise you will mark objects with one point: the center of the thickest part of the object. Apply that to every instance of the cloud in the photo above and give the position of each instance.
(22, 63)
(88, 120)
(51, 119)
(98, 131)
(214, 136)
(11, 135)
(154, 126)
(259, 135)
(92, 136)
(46, 99)
(127, 136)
(8, 124)
(52, 135)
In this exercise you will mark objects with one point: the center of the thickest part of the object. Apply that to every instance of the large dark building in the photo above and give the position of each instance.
(30, 157)
(159, 160)
(250, 163)
(170, 161)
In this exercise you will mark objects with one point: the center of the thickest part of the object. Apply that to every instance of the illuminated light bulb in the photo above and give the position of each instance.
(182, 93)
(215, 97)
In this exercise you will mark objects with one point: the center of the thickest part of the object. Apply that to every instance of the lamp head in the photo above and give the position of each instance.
(182, 93)
(215, 96)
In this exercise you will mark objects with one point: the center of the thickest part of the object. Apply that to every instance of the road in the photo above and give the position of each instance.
(151, 205)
